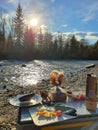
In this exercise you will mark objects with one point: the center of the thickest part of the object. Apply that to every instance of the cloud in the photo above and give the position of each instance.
(5, 16)
(43, 28)
(90, 11)
(92, 36)
(65, 25)
(13, 2)
(89, 36)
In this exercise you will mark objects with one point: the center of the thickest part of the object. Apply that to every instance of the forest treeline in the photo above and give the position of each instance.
(25, 43)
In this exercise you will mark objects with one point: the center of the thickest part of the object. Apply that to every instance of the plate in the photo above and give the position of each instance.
(36, 99)
(40, 120)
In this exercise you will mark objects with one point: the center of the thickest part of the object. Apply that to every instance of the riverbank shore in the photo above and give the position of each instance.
(9, 113)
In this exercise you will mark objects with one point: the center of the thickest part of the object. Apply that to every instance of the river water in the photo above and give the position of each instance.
(23, 73)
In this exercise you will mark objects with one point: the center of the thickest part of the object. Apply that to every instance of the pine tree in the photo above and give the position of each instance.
(73, 47)
(40, 38)
(29, 38)
(9, 41)
(19, 27)
(2, 31)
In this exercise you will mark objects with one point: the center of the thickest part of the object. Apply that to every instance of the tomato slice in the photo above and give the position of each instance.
(79, 97)
(58, 113)
(82, 97)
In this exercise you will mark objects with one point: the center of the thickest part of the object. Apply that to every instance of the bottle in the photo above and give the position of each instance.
(91, 92)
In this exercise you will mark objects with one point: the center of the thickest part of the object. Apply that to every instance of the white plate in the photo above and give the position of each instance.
(40, 121)
(36, 99)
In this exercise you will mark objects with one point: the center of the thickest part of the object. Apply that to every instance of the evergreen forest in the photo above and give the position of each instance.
(25, 43)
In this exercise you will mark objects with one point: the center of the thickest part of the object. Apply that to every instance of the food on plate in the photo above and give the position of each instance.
(57, 94)
(58, 113)
(48, 113)
(56, 110)
(26, 97)
(44, 95)
(79, 97)
(41, 108)
(56, 78)
(65, 109)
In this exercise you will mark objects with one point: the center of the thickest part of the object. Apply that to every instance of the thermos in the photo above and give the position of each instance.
(91, 92)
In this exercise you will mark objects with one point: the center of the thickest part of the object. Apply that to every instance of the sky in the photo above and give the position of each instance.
(70, 17)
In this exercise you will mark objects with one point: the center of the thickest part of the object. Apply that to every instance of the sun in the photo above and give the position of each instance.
(34, 22)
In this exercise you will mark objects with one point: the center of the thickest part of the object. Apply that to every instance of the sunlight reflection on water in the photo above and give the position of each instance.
(34, 71)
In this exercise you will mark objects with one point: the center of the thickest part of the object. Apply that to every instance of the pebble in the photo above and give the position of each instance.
(68, 87)
(13, 123)
(23, 65)
(4, 87)
(5, 79)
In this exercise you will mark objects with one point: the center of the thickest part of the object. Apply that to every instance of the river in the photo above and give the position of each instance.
(23, 73)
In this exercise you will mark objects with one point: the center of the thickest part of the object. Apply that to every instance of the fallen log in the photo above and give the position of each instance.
(90, 66)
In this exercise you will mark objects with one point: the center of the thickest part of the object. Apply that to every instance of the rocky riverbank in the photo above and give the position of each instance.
(9, 113)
